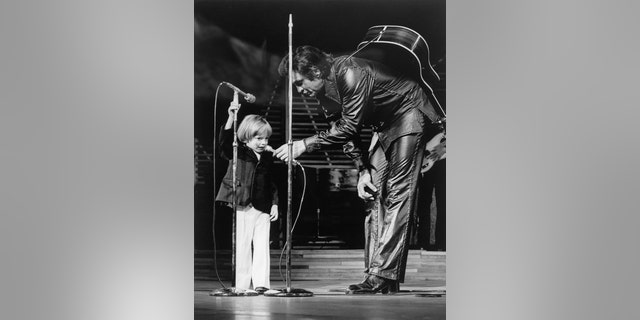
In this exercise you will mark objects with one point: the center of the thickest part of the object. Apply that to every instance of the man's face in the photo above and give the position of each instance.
(306, 87)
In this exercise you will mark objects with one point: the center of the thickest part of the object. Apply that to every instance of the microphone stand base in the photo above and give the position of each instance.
(232, 292)
(291, 292)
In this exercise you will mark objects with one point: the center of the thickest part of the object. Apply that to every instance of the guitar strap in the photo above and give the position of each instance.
(369, 42)
(374, 141)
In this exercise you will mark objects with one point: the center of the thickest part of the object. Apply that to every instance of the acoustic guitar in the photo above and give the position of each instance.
(407, 52)
(402, 49)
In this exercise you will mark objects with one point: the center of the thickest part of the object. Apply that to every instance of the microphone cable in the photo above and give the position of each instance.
(304, 189)
(213, 161)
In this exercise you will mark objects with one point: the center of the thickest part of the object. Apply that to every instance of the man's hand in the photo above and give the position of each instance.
(282, 152)
(366, 189)
(274, 213)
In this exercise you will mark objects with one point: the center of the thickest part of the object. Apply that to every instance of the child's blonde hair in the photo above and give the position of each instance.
(253, 125)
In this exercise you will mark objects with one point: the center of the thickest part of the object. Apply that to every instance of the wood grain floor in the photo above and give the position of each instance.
(416, 300)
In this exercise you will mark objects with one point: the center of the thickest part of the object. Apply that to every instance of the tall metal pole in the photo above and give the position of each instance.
(290, 156)
(288, 291)
(227, 292)
(235, 191)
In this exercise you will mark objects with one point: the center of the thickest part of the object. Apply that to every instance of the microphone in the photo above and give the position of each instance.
(247, 96)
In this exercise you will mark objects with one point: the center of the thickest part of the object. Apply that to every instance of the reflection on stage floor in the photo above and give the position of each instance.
(417, 299)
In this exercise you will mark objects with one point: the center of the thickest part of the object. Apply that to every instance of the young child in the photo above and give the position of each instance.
(257, 198)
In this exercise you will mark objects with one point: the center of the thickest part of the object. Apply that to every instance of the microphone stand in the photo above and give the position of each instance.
(288, 291)
(229, 292)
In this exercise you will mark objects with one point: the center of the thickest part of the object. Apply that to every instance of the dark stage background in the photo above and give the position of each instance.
(242, 42)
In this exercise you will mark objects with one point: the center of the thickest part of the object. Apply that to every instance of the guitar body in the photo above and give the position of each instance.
(404, 51)
(391, 44)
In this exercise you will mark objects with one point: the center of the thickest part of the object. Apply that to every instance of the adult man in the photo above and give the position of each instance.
(401, 115)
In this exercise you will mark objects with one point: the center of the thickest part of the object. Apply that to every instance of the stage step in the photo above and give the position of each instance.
(325, 264)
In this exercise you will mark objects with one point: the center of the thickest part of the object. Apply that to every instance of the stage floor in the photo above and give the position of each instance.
(416, 300)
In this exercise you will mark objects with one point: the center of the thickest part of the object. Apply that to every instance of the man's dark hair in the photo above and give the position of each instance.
(309, 61)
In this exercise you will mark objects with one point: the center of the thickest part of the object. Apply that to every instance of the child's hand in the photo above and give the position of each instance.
(274, 213)
(232, 109)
